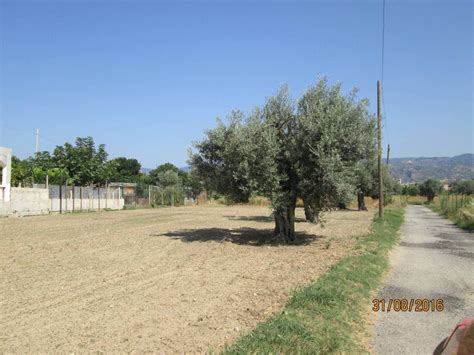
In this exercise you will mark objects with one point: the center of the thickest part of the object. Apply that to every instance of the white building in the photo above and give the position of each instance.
(5, 173)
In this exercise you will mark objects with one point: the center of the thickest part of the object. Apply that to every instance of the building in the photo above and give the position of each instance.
(129, 191)
(5, 173)
(128, 188)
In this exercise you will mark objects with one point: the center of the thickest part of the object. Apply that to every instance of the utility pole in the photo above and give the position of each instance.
(388, 154)
(379, 143)
(37, 139)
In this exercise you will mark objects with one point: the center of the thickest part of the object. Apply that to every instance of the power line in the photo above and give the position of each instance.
(382, 74)
(383, 38)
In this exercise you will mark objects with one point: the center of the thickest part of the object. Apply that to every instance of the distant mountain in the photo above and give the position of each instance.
(420, 169)
(442, 168)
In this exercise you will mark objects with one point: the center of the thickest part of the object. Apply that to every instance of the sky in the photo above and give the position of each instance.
(147, 78)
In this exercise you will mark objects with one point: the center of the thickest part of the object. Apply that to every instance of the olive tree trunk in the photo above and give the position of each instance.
(360, 201)
(285, 222)
(309, 212)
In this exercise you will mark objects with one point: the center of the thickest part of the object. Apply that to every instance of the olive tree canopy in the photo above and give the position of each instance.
(284, 151)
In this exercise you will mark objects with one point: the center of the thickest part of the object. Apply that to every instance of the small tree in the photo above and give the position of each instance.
(411, 190)
(21, 171)
(463, 187)
(124, 170)
(193, 185)
(430, 188)
(168, 178)
(365, 173)
(83, 162)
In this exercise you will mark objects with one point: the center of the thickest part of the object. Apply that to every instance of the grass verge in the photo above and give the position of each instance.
(328, 315)
(462, 215)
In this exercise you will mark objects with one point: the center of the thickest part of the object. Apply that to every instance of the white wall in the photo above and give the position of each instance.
(26, 201)
(5, 165)
(29, 201)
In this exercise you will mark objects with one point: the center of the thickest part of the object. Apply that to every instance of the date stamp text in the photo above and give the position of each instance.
(408, 305)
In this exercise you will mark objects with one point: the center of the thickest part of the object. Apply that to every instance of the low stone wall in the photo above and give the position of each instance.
(29, 201)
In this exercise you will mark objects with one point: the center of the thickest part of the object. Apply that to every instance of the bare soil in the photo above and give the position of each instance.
(165, 280)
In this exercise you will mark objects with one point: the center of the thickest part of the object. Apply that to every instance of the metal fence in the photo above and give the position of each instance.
(63, 198)
(150, 195)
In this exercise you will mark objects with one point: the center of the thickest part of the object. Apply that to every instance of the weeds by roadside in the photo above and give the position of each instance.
(458, 208)
(327, 316)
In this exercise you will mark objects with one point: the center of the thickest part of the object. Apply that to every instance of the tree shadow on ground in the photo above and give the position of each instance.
(268, 219)
(241, 236)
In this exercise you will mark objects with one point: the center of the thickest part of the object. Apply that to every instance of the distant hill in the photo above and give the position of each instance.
(420, 169)
(442, 168)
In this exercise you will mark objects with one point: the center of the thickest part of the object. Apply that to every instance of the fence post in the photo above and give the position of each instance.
(73, 197)
(149, 195)
(80, 195)
(98, 195)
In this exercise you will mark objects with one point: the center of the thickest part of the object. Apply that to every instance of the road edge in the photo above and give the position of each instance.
(328, 315)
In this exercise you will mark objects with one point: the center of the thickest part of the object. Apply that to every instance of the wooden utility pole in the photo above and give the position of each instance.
(379, 143)
(388, 154)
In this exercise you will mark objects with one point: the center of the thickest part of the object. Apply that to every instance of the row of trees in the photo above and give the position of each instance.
(320, 149)
(80, 164)
(85, 164)
(431, 187)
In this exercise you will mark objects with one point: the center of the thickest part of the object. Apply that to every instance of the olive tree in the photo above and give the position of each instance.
(430, 188)
(285, 151)
(366, 181)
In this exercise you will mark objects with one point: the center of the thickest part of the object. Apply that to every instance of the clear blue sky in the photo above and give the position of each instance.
(147, 77)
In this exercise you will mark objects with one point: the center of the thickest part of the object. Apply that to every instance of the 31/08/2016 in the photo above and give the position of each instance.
(408, 305)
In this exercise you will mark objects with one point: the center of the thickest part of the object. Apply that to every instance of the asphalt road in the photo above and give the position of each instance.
(435, 260)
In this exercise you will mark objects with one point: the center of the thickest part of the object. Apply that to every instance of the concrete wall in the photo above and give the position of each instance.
(26, 201)
(84, 198)
(29, 201)
(75, 205)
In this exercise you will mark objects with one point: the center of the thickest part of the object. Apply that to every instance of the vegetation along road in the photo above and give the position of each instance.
(434, 261)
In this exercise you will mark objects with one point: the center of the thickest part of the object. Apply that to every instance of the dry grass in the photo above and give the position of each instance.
(169, 280)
